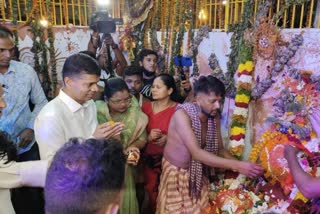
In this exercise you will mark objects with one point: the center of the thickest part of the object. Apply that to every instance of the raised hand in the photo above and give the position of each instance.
(106, 130)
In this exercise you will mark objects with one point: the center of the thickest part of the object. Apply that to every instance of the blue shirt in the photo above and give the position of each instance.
(21, 85)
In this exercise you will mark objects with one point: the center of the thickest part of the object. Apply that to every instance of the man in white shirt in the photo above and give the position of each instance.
(72, 113)
(53, 128)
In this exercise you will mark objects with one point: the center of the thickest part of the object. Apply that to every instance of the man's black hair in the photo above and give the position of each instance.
(78, 64)
(146, 52)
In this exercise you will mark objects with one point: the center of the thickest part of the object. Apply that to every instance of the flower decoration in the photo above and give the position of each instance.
(233, 193)
(240, 113)
(266, 38)
(292, 123)
(216, 69)
(127, 41)
(283, 56)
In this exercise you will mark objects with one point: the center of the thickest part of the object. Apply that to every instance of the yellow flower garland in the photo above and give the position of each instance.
(237, 130)
(242, 98)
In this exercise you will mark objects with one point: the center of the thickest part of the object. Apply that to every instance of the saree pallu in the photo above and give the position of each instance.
(135, 124)
(174, 194)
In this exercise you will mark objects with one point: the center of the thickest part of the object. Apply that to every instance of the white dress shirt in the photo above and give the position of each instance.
(61, 119)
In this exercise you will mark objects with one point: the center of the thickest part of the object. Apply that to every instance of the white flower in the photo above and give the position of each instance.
(245, 78)
(301, 85)
(267, 198)
(235, 143)
(241, 111)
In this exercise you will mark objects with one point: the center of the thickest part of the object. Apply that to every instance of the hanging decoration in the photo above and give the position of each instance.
(202, 33)
(15, 21)
(138, 10)
(52, 52)
(244, 57)
(185, 14)
(127, 41)
(166, 27)
(174, 34)
(238, 31)
(39, 47)
(155, 27)
(216, 69)
(138, 34)
(166, 37)
(172, 19)
(240, 112)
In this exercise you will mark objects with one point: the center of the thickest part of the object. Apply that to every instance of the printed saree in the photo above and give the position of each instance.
(135, 122)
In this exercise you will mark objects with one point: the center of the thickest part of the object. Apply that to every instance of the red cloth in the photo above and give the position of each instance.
(152, 170)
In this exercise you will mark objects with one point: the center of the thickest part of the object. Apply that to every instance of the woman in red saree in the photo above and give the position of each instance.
(159, 111)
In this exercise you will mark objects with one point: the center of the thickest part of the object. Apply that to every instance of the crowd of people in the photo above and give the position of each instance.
(116, 139)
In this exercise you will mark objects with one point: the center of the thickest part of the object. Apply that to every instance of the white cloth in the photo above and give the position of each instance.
(18, 174)
(13, 174)
(5, 202)
(61, 119)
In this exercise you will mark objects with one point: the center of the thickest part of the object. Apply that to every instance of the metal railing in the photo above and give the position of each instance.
(222, 13)
(62, 12)
(216, 13)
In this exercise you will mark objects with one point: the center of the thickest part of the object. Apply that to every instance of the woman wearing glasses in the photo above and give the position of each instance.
(120, 106)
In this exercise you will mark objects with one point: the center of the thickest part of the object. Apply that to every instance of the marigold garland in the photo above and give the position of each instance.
(240, 114)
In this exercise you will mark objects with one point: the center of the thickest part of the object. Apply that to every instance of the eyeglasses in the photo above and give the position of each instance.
(118, 102)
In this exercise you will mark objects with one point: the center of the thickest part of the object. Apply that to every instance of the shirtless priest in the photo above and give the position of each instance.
(194, 145)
